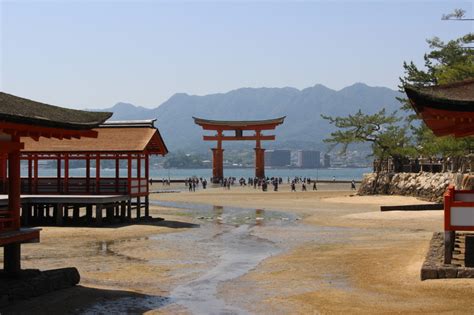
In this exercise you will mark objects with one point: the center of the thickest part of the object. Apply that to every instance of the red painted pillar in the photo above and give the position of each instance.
(58, 173)
(147, 171)
(14, 185)
(35, 178)
(30, 174)
(97, 173)
(217, 164)
(117, 174)
(259, 162)
(129, 173)
(3, 172)
(139, 173)
(259, 157)
(66, 173)
(88, 173)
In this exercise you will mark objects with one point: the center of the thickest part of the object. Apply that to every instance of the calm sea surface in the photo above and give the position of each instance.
(322, 174)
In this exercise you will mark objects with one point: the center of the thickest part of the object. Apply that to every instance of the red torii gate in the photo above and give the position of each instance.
(238, 126)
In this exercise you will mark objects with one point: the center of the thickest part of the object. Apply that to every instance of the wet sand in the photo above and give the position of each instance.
(322, 251)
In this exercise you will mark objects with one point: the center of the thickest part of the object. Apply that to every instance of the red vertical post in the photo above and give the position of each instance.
(117, 173)
(36, 173)
(88, 173)
(139, 172)
(30, 174)
(97, 173)
(14, 193)
(129, 173)
(218, 160)
(58, 174)
(3, 172)
(66, 173)
(259, 157)
(147, 171)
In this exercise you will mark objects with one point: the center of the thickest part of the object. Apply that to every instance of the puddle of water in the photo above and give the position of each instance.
(127, 305)
(230, 243)
(105, 248)
(230, 215)
(241, 253)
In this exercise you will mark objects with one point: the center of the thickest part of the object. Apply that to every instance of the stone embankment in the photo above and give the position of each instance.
(426, 186)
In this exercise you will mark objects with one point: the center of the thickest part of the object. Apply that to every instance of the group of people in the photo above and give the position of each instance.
(258, 183)
(194, 182)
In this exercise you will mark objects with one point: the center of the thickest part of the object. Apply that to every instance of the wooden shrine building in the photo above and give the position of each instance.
(116, 163)
(238, 127)
(25, 120)
(449, 110)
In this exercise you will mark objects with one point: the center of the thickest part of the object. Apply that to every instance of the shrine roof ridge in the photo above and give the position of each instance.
(458, 96)
(150, 123)
(16, 109)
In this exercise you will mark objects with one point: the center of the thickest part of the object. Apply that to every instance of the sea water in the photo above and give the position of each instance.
(160, 173)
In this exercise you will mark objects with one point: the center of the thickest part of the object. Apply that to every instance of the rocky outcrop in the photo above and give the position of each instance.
(427, 186)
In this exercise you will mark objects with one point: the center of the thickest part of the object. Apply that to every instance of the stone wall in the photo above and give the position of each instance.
(427, 186)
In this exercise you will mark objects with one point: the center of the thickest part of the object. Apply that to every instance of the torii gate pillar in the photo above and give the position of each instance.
(259, 162)
(217, 164)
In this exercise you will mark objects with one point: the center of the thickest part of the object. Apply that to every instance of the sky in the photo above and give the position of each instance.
(93, 54)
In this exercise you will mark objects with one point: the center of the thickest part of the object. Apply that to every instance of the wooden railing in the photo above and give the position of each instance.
(81, 186)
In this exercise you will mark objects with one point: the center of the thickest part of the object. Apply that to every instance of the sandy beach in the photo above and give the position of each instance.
(247, 251)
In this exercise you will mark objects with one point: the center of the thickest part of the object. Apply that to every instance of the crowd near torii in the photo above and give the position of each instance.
(257, 183)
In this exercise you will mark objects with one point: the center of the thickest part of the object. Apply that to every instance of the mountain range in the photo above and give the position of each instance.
(303, 126)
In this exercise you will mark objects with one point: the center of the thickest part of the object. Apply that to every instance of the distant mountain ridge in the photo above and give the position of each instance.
(303, 127)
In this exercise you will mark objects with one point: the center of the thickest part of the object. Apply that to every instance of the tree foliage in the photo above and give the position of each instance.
(445, 63)
(388, 139)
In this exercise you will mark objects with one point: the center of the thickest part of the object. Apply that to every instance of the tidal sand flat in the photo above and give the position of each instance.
(244, 251)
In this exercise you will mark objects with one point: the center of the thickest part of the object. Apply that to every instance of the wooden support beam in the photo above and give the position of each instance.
(129, 208)
(139, 206)
(147, 207)
(59, 214)
(98, 215)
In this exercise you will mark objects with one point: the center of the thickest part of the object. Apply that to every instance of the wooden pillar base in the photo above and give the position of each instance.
(11, 259)
(139, 207)
(129, 208)
(89, 212)
(147, 207)
(59, 214)
(98, 215)
(75, 212)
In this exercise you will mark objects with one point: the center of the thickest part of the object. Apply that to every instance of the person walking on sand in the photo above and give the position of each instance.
(303, 187)
(353, 185)
(293, 186)
(314, 186)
